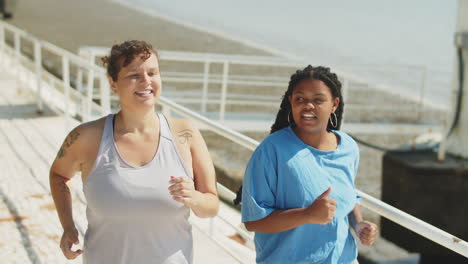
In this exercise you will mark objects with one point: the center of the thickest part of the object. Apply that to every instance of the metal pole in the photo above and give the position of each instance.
(38, 69)
(66, 87)
(458, 140)
(205, 86)
(79, 87)
(222, 107)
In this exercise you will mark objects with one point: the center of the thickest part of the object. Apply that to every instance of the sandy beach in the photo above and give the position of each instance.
(71, 24)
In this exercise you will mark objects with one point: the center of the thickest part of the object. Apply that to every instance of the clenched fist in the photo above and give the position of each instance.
(367, 232)
(322, 209)
(70, 238)
(183, 190)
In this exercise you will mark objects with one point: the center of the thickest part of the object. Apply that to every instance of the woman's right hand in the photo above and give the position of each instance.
(70, 238)
(322, 209)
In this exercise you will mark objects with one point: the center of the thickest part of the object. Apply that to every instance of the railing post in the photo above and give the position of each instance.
(105, 94)
(17, 46)
(222, 106)
(16, 60)
(66, 87)
(2, 46)
(421, 92)
(89, 89)
(38, 70)
(206, 80)
(79, 87)
(79, 79)
(89, 94)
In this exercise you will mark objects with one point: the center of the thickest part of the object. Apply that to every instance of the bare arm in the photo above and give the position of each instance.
(365, 230)
(65, 166)
(63, 169)
(321, 211)
(280, 221)
(355, 216)
(201, 195)
(62, 199)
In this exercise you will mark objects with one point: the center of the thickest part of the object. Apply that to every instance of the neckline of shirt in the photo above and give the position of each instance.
(318, 151)
(122, 160)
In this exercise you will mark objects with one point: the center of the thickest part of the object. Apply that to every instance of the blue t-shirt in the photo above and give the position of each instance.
(285, 173)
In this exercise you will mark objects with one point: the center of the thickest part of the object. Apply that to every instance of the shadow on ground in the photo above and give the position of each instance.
(24, 111)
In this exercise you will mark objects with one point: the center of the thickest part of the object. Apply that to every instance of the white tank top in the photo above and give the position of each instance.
(132, 218)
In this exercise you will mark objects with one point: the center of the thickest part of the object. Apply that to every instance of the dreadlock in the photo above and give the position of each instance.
(308, 73)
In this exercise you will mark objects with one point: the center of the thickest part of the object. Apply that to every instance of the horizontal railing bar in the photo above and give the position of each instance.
(414, 224)
(235, 136)
(216, 81)
(276, 104)
(75, 59)
(215, 76)
(53, 48)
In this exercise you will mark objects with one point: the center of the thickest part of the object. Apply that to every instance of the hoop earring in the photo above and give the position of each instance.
(334, 124)
(289, 122)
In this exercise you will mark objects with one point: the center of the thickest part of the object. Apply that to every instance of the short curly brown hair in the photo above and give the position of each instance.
(123, 54)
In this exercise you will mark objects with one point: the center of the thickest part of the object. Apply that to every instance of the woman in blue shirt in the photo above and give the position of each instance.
(298, 194)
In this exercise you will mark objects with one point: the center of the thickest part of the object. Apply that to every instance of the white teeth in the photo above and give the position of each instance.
(144, 92)
(308, 115)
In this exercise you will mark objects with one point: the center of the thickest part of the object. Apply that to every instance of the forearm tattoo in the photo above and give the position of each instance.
(69, 140)
(184, 136)
(61, 183)
(63, 187)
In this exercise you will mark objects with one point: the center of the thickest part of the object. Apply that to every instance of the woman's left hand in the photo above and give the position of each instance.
(367, 232)
(183, 190)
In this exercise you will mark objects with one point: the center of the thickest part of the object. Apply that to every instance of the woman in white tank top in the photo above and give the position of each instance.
(142, 173)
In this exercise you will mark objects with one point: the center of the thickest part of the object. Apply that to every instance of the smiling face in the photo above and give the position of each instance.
(311, 105)
(138, 84)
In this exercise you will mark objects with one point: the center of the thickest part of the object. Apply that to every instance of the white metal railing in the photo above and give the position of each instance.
(66, 59)
(377, 206)
(227, 79)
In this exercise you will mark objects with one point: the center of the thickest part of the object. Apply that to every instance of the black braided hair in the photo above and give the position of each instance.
(308, 73)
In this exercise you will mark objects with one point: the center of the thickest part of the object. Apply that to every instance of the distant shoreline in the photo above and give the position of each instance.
(437, 93)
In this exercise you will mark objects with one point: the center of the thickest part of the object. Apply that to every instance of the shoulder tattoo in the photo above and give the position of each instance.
(69, 140)
(184, 136)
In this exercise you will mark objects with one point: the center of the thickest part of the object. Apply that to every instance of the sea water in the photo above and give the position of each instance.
(401, 44)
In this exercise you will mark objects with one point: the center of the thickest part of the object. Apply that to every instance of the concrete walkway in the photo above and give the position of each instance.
(29, 226)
